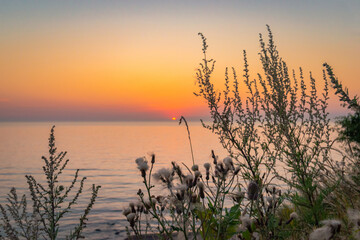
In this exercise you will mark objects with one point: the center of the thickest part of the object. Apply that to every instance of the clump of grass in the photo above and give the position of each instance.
(51, 202)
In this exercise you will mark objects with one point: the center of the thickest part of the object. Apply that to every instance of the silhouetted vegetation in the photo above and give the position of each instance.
(284, 175)
(51, 201)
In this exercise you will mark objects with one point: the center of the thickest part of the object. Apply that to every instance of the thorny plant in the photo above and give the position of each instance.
(51, 201)
(282, 123)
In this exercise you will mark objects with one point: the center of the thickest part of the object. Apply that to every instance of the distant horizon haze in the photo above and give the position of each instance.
(137, 60)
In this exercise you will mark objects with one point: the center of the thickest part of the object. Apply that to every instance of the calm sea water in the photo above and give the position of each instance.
(105, 153)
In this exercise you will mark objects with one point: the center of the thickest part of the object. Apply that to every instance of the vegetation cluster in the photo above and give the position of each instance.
(51, 202)
(289, 174)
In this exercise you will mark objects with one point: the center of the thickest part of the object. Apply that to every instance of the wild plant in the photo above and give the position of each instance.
(294, 126)
(51, 201)
(16, 221)
(279, 133)
(208, 204)
(345, 200)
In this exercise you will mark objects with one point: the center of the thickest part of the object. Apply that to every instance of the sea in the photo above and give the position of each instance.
(105, 153)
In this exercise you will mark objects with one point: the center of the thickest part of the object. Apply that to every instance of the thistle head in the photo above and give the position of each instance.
(195, 168)
(228, 163)
(126, 211)
(164, 175)
(142, 165)
(131, 218)
(207, 166)
(201, 188)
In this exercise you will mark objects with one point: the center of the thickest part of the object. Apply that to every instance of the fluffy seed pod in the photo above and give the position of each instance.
(207, 166)
(246, 222)
(326, 232)
(228, 163)
(293, 216)
(131, 219)
(193, 198)
(126, 211)
(132, 207)
(142, 165)
(201, 189)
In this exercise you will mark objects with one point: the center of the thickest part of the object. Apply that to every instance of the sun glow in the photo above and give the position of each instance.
(173, 118)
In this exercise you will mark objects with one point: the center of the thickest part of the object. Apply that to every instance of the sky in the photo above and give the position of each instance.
(137, 60)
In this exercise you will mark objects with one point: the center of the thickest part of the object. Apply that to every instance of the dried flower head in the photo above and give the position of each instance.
(201, 187)
(132, 207)
(193, 198)
(246, 222)
(228, 163)
(323, 233)
(334, 224)
(326, 232)
(142, 165)
(220, 170)
(252, 190)
(189, 179)
(164, 175)
(132, 218)
(293, 216)
(207, 166)
(177, 169)
(195, 168)
(126, 211)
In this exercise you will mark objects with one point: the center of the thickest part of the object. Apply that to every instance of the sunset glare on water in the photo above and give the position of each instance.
(105, 83)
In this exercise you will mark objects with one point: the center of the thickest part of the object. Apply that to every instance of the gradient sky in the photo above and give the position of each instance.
(136, 60)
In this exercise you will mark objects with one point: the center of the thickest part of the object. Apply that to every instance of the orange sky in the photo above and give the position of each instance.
(136, 60)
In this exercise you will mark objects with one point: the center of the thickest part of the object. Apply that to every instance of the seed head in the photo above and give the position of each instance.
(201, 189)
(207, 166)
(294, 215)
(228, 163)
(164, 175)
(246, 222)
(252, 190)
(326, 232)
(142, 165)
(126, 211)
(195, 168)
(131, 219)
